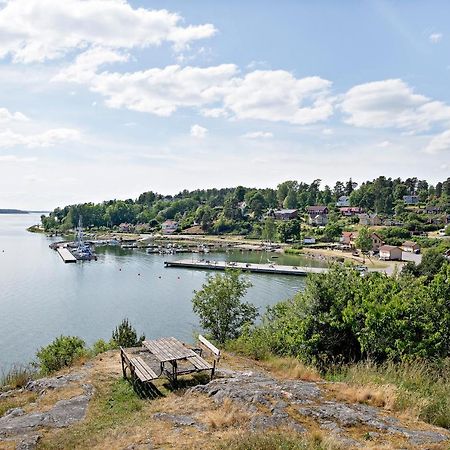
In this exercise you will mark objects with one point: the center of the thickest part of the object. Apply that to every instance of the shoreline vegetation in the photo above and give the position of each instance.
(396, 210)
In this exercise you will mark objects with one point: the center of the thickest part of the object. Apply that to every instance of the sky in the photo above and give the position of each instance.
(103, 99)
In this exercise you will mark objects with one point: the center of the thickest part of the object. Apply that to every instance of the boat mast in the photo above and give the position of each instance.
(80, 243)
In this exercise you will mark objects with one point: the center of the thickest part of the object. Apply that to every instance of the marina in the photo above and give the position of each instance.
(245, 267)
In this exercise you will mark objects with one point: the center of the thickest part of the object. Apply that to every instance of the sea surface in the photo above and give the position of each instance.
(42, 298)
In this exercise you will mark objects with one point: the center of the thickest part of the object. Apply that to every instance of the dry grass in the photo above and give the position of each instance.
(383, 396)
(279, 439)
(229, 414)
(291, 368)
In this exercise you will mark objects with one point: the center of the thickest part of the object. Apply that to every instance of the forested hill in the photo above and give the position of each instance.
(235, 209)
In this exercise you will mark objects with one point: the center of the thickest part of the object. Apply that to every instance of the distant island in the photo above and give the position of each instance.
(13, 211)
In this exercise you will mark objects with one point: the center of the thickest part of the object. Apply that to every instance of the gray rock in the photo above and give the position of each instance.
(43, 384)
(28, 442)
(64, 413)
(14, 412)
(265, 422)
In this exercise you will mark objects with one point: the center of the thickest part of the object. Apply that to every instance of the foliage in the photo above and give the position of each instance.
(343, 317)
(289, 230)
(62, 352)
(269, 230)
(220, 307)
(125, 335)
(101, 346)
(431, 264)
(364, 241)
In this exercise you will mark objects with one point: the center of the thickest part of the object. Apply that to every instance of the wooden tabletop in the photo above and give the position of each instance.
(168, 349)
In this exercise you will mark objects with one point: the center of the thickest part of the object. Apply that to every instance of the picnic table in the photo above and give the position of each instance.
(181, 359)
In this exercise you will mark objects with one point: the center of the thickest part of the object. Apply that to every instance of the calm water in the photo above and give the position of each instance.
(41, 297)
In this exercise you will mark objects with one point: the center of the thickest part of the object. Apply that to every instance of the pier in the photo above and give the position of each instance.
(245, 267)
(65, 254)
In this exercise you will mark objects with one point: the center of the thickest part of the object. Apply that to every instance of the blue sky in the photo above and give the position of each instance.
(106, 98)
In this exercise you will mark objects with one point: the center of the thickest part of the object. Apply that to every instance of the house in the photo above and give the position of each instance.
(390, 253)
(350, 211)
(429, 209)
(318, 215)
(169, 227)
(309, 240)
(285, 214)
(411, 199)
(410, 246)
(344, 200)
(348, 239)
(370, 220)
(126, 228)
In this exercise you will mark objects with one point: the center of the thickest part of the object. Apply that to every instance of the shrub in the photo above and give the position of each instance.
(101, 346)
(62, 352)
(343, 317)
(125, 335)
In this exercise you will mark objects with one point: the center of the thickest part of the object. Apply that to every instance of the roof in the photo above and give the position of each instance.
(285, 211)
(170, 222)
(317, 208)
(388, 248)
(409, 244)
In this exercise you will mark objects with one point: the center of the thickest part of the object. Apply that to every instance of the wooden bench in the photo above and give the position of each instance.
(138, 367)
(211, 349)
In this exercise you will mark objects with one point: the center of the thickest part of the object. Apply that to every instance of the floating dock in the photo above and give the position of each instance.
(245, 267)
(65, 254)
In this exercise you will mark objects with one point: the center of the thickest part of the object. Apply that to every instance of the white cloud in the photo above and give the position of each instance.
(392, 103)
(435, 38)
(327, 131)
(258, 135)
(163, 91)
(7, 116)
(38, 30)
(48, 138)
(384, 144)
(276, 95)
(87, 63)
(198, 131)
(216, 91)
(440, 143)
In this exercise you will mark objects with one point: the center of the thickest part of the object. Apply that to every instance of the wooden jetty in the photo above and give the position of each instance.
(245, 267)
(65, 254)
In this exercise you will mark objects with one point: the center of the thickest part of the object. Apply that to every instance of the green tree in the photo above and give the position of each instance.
(269, 230)
(290, 202)
(220, 307)
(289, 230)
(124, 335)
(364, 241)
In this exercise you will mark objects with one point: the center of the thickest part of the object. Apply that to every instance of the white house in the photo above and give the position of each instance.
(390, 253)
(169, 227)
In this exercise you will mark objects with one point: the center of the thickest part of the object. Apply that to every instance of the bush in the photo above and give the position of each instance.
(62, 352)
(101, 346)
(125, 335)
(343, 317)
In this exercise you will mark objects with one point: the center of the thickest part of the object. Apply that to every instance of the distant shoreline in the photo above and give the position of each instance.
(13, 211)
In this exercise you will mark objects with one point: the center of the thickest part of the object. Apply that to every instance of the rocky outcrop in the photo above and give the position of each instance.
(291, 400)
(21, 427)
